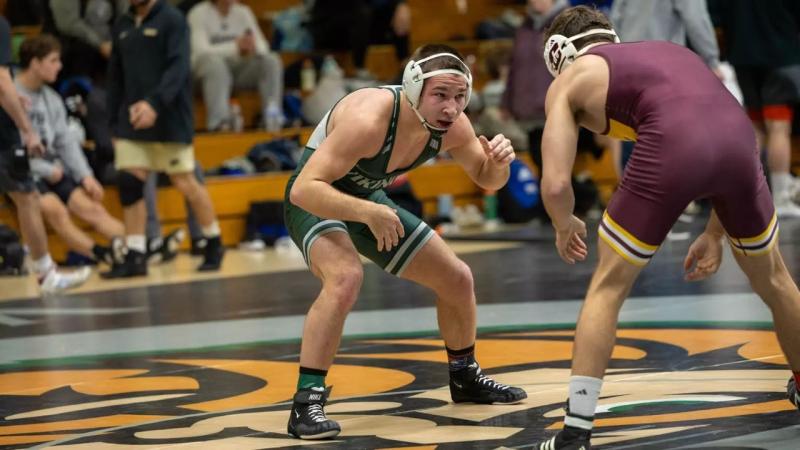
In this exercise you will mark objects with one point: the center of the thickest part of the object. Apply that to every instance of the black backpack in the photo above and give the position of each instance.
(12, 254)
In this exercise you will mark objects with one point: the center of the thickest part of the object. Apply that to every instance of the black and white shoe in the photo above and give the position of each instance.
(134, 264)
(570, 438)
(791, 390)
(165, 249)
(307, 419)
(471, 385)
(212, 255)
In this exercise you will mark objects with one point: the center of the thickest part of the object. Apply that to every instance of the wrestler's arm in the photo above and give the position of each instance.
(559, 145)
(358, 129)
(486, 162)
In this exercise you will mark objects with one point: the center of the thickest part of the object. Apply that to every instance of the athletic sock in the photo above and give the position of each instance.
(583, 395)
(460, 359)
(212, 230)
(781, 183)
(136, 242)
(310, 378)
(43, 265)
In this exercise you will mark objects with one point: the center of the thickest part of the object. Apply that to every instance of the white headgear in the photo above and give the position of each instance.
(414, 78)
(560, 52)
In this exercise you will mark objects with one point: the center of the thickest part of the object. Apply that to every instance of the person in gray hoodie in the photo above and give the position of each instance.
(64, 179)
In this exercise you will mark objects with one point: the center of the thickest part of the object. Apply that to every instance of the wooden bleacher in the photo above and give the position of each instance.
(432, 21)
(212, 149)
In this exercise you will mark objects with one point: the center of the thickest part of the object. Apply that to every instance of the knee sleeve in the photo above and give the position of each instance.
(131, 189)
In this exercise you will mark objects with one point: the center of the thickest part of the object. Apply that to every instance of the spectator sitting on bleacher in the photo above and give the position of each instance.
(492, 120)
(18, 139)
(63, 175)
(354, 25)
(24, 12)
(84, 29)
(528, 78)
(229, 51)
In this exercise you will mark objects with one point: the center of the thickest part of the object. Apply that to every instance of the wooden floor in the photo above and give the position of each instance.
(180, 360)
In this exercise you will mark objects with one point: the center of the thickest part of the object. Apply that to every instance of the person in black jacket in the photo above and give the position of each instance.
(763, 45)
(150, 108)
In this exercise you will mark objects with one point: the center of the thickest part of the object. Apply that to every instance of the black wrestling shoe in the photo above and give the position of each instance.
(134, 265)
(165, 249)
(307, 419)
(471, 385)
(791, 390)
(570, 438)
(198, 246)
(103, 254)
(213, 253)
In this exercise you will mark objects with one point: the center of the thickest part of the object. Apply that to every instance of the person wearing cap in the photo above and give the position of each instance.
(336, 209)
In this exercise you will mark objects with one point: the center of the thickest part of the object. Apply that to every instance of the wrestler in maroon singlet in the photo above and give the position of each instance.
(693, 140)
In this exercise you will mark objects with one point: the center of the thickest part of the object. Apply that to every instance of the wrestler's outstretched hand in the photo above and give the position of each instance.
(703, 258)
(499, 150)
(569, 241)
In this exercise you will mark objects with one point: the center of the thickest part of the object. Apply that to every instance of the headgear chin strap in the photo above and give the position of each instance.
(560, 52)
(414, 79)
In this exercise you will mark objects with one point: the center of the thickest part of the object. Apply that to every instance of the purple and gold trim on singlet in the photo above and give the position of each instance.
(619, 130)
(757, 245)
(633, 250)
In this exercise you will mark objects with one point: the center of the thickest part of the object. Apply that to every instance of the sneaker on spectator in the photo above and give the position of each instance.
(56, 281)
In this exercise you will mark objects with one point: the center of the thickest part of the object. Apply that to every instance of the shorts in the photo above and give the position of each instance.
(668, 170)
(63, 189)
(769, 92)
(11, 181)
(305, 228)
(168, 157)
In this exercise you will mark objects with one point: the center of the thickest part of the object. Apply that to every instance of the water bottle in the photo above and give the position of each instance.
(237, 120)
(445, 206)
(330, 68)
(308, 76)
(490, 216)
(273, 117)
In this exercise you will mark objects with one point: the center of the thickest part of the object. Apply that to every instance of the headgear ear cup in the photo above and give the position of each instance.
(413, 82)
(560, 52)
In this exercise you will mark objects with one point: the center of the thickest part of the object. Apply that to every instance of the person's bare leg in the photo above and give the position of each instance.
(779, 152)
(596, 330)
(95, 214)
(335, 262)
(438, 268)
(197, 196)
(31, 224)
(30, 219)
(595, 336)
(771, 281)
(57, 215)
(779, 145)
